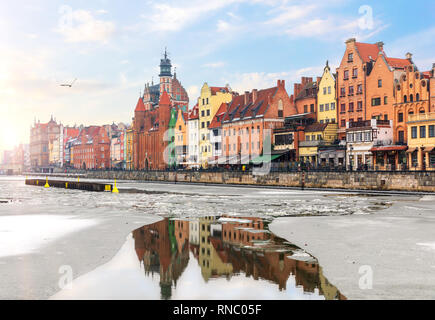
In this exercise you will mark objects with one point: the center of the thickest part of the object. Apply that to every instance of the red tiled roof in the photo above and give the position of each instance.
(194, 113)
(398, 63)
(164, 99)
(217, 120)
(238, 108)
(140, 106)
(427, 74)
(315, 127)
(367, 50)
(215, 90)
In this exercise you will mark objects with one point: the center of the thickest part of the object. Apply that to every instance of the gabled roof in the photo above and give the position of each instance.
(219, 116)
(164, 99)
(398, 63)
(367, 50)
(194, 113)
(140, 106)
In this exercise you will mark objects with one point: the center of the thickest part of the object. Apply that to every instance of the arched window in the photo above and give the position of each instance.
(280, 109)
(411, 98)
(417, 97)
(405, 98)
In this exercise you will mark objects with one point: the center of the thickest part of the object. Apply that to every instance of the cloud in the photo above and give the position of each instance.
(217, 64)
(193, 92)
(82, 26)
(242, 82)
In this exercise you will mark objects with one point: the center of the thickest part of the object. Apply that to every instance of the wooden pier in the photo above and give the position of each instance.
(86, 186)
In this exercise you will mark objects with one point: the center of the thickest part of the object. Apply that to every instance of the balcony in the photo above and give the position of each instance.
(315, 143)
(421, 117)
(369, 123)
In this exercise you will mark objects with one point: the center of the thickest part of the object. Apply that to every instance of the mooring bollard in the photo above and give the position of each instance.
(66, 185)
(115, 189)
(46, 183)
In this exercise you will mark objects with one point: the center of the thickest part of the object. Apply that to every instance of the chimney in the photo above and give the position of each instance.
(254, 95)
(351, 40)
(246, 97)
(380, 45)
(409, 56)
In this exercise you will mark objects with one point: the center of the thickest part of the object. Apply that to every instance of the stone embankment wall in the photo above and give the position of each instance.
(386, 181)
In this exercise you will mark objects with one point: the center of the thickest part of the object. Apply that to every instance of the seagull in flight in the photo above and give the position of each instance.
(68, 85)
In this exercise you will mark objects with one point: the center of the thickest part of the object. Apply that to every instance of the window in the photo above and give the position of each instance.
(207, 100)
(351, 107)
(208, 113)
(329, 90)
(417, 97)
(351, 90)
(327, 107)
(350, 57)
(400, 117)
(355, 73)
(411, 98)
(385, 100)
(202, 125)
(346, 75)
(359, 106)
(380, 83)
(343, 108)
(203, 101)
(422, 131)
(280, 109)
(414, 132)
(324, 90)
(312, 108)
(321, 108)
(359, 89)
(305, 109)
(333, 106)
(401, 136)
(376, 102)
(405, 99)
(431, 131)
(342, 92)
(202, 113)
(343, 123)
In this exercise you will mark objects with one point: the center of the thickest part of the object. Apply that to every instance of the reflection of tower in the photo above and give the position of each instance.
(166, 75)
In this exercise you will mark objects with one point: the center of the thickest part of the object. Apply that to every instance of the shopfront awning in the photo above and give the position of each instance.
(428, 149)
(388, 148)
(265, 158)
(411, 150)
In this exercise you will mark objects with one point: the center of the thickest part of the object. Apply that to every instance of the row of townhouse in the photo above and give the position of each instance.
(53, 146)
(373, 112)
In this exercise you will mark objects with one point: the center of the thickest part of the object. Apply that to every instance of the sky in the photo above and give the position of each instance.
(114, 47)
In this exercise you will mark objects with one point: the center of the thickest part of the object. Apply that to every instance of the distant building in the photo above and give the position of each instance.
(41, 136)
(193, 132)
(91, 149)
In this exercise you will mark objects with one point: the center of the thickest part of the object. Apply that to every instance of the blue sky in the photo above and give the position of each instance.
(114, 47)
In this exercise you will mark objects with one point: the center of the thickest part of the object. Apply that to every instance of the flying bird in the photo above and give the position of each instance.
(68, 85)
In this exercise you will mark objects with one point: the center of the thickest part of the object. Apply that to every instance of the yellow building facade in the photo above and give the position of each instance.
(326, 98)
(181, 139)
(209, 102)
(421, 141)
(316, 135)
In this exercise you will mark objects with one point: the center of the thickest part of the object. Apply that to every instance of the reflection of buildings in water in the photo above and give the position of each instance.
(194, 232)
(156, 246)
(211, 263)
(223, 250)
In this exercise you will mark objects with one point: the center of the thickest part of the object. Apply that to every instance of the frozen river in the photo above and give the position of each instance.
(142, 243)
